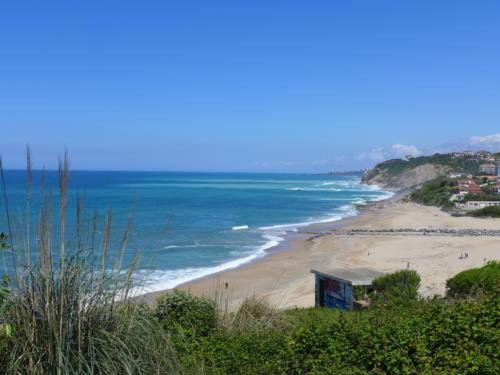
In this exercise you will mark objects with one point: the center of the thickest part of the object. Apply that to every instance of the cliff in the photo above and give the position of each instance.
(398, 174)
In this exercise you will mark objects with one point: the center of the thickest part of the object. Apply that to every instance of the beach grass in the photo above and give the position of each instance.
(69, 307)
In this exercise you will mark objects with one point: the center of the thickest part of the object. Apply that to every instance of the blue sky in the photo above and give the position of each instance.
(246, 85)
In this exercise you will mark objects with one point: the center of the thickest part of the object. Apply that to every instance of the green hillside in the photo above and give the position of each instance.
(399, 174)
(460, 165)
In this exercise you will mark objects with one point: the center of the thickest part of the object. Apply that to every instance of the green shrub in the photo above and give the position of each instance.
(477, 280)
(247, 352)
(254, 313)
(435, 193)
(493, 211)
(434, 336)
(194, 315)
(399, 287)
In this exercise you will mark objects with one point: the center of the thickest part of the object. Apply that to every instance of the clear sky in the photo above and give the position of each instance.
(257, 85)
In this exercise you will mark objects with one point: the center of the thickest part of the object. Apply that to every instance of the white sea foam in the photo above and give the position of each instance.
(293, 227)
(359, 201)
(240, 227)
(171, 247)
(162, 280)
(314, 189)
(196, 246)
(328, 183)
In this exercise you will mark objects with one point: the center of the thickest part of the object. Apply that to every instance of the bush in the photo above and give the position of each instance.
(399, 287)
(194, 315)
(477, 280)
(254, 313)
(247, 352)
(493, 211)
(434, 336)
(435, 193)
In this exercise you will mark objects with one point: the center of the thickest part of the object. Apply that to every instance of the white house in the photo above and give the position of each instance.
(476, 205)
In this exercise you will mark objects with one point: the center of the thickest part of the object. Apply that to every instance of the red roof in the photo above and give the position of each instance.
(469, 186)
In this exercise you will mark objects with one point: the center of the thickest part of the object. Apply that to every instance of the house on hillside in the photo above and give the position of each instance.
(336, 287)
(474, 188)
(485, 155)
(469, 187)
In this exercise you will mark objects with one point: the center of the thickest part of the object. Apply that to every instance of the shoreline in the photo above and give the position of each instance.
(301, 233)
(284, 277)
(278, 237)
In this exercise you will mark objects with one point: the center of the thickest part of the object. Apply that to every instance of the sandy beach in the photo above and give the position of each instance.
(284, 275)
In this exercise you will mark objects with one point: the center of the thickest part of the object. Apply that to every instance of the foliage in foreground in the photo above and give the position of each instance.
(69, 308)
(397, 288)
(432, 337)
(475, 281)
(193, 315)
(61, 326)
(399, 334)
(426, 336)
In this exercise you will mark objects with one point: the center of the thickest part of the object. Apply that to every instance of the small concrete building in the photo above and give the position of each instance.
(476, 205)
(335, 287)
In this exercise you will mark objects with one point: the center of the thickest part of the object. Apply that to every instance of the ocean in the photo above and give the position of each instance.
(189, 225)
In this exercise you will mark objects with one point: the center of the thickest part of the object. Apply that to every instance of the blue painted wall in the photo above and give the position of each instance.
(337, 293)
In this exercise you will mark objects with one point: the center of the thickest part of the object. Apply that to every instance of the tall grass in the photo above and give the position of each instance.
(253, 313)
(71, 309)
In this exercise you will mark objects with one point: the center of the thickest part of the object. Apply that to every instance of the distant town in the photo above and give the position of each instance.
(480, 191)
(467, 191)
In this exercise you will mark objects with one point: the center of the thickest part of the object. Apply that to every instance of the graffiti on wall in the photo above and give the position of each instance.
(337, 294)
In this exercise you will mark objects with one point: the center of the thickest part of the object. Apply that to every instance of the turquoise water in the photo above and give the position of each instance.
(189, 225)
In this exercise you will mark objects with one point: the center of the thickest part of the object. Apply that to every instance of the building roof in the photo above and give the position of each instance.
(355, 276)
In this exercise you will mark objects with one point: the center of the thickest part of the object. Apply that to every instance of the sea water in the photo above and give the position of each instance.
(189, 225)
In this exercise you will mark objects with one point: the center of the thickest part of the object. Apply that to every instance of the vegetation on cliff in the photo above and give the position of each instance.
(403, 174)
(435, 193)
